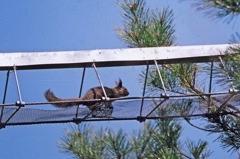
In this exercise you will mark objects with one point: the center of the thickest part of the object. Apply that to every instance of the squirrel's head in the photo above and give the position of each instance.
(121, 89)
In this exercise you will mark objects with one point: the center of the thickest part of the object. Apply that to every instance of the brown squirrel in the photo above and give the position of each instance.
(94, 93)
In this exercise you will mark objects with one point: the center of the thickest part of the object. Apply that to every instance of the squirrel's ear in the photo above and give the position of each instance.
(120, 83)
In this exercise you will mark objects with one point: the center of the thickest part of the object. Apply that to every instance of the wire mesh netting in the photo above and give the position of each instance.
(120, 110)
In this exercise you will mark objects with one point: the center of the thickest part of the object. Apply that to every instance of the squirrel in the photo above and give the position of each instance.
(94, 93)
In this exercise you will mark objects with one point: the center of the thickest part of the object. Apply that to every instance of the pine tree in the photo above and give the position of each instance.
(184, 79)
(158, 138)
(225, 122)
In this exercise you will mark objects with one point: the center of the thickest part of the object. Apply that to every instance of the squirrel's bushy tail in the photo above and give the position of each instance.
(50, 96)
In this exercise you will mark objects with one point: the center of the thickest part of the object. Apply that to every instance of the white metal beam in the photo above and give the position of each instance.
(111, 57)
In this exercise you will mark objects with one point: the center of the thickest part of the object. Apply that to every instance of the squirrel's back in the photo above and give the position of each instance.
(94, 93)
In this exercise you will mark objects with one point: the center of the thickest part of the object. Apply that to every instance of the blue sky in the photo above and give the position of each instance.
(59, 25)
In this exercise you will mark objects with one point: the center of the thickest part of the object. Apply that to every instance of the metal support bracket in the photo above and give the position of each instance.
(100, 81)
(77, 120)
(144, 90)
(141, 119)
(80, 91)
(210, 88)
(20, 102)
(2, 125)
(163, 95)
(4, 97)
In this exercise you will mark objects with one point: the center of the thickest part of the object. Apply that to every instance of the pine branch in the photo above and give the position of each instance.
(143, 28)
(227, 9)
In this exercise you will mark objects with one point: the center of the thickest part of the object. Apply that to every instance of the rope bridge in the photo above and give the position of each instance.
(127, 108)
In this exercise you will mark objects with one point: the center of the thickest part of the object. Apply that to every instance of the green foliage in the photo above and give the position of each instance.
(82, 143)
(165, 137)
(145, 28)
(229, 128)
(165, 153)
(141, 143)
(117, 144)
(219, 8)
(198, 151)
(167, 130)
(157, 139)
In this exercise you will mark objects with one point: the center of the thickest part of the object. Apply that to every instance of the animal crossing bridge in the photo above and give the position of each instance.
(127, 108)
